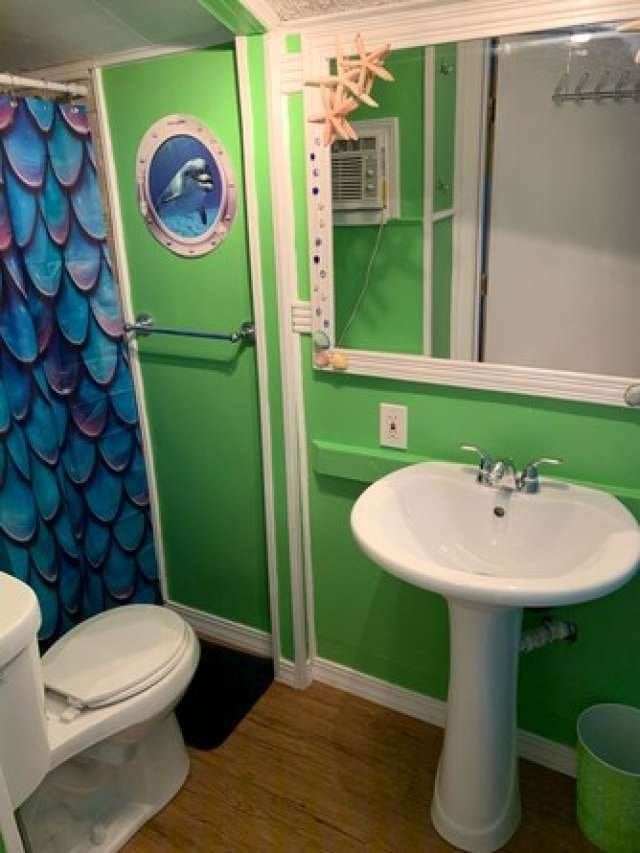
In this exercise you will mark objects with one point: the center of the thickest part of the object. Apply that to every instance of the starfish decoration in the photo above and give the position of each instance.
(336, 108)
(342, 92)
(368, 65)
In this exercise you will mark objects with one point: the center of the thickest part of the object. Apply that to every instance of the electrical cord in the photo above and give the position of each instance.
(367, 278)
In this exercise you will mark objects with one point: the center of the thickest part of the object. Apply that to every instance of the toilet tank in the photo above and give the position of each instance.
(24, 746)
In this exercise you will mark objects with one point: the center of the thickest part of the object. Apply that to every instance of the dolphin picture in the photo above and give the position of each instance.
(186, 190)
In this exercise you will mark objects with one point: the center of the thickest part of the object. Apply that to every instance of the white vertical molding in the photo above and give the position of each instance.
(316, 64)
(427, 214)
(468, 196)
(127, 308)
(255, 259)
(294, 430)
(8, 826)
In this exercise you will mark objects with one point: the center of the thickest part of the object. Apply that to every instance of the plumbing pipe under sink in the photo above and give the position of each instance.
(549, 632)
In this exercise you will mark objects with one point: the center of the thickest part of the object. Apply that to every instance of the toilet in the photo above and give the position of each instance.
(90, 747)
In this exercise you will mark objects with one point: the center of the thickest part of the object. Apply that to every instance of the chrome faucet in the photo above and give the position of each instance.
(503, 473)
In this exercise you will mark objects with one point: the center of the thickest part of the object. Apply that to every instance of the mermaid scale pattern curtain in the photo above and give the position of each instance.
(74, 503)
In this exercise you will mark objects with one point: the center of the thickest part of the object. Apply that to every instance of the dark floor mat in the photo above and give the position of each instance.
(226, 686)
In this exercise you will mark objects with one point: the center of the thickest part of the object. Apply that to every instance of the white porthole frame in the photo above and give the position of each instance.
(160, 132)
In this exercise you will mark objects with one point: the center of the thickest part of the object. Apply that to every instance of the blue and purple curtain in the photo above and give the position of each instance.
(74, 503)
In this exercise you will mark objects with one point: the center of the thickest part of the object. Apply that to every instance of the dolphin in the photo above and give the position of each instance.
(188, 186)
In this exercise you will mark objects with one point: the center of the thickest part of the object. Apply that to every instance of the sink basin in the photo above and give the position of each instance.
(434, 526)
(490, 552)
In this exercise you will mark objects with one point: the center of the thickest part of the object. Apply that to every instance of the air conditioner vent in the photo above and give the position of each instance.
(361, 179)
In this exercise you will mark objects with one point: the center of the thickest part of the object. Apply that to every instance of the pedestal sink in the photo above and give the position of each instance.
(490, 552)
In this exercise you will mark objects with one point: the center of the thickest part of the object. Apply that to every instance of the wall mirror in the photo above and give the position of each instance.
(488, 212)
(186, 188)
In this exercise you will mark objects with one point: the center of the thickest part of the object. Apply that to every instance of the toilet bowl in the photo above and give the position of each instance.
(89, 744)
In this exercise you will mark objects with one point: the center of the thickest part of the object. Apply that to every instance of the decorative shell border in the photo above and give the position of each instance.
(341, 94)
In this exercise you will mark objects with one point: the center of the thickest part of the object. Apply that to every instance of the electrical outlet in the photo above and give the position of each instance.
(393, 426)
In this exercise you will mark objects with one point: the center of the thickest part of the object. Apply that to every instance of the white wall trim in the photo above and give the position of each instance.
(469, 185)
(532, 747)
(427, 201)
(124, 281)
(290, 353)
(414, 25)
(287, 675)
(537, 382)
(301, 317)
(255, 260)
(226, 631)
(291, 73)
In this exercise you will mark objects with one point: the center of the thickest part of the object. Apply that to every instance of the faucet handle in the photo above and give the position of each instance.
(544, 460)
(529, 477)
(486, 460)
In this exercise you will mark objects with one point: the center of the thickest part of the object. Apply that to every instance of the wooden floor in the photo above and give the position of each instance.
(320, 770)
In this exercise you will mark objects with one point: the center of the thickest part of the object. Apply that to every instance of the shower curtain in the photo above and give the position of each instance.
(74, 502)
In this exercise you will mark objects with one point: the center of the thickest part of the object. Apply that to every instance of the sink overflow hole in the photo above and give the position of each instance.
(499, 511)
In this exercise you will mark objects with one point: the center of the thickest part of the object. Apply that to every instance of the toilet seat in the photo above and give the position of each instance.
(115, 655)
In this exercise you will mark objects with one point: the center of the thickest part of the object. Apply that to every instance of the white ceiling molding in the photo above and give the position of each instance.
(289, 10)
(452, 20)
(265, 11)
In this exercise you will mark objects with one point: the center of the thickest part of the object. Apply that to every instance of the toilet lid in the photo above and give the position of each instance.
(115, 655)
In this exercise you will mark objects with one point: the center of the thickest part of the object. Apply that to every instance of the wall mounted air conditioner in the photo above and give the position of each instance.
(365, 174)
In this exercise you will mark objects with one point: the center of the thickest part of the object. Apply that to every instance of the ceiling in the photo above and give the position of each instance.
(290, 9)
(36, 34)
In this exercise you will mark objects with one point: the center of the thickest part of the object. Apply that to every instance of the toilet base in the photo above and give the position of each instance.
(97, 800)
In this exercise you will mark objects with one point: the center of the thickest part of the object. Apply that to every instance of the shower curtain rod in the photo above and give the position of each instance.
(14, 81)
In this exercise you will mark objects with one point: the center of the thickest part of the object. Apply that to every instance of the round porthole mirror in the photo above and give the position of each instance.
(186, 187)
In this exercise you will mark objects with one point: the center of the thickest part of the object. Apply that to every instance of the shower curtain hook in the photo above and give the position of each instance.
(560, 89)
(622, 82)
(75, 97)
(582, 82)
(602, 82)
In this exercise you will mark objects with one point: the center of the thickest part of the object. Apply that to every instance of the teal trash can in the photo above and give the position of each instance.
(609, 777)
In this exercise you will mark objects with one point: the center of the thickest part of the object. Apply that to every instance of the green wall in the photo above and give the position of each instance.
(390, 315)
(201, 396)
(373, 622)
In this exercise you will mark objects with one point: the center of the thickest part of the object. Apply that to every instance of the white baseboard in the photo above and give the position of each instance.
(234, 634)
(534, 748)
(287, 673)
(241, 637)
(548, 753)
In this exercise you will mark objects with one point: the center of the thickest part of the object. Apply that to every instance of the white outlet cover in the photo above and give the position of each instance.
(393, 426)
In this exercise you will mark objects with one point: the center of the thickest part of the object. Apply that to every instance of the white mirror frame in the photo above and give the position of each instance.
(416, 25)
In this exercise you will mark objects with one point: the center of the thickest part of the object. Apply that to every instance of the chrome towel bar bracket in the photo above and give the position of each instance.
(144, 325)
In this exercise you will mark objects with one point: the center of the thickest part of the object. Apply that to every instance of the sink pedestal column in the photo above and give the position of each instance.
(476, 802)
